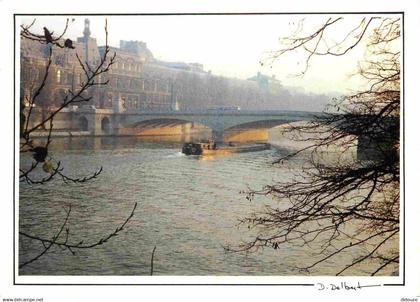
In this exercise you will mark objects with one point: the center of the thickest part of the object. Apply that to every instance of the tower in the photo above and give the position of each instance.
(86, 31)
(86, 36)
(90, 55)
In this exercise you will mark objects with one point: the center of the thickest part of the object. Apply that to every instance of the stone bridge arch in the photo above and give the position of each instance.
(162, 126)
(83, 123)
(262, 123)
(159, 122)
(109, 122)
(251, 131)
(96, 123)
(106, 125)
(218, 122)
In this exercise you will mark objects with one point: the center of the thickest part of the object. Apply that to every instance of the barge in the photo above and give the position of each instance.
(210, 148)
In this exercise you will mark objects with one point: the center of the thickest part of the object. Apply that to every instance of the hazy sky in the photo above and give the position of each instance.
(226, 45)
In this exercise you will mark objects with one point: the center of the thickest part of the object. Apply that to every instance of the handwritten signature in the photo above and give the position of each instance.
(342, 286)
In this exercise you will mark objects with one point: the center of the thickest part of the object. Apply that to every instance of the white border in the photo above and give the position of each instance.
(412, 286)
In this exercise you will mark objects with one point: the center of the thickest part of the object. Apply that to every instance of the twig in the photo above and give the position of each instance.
(51, 243)
(47, 243)
(151, 261)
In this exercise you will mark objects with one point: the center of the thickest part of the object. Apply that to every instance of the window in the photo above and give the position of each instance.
(59, 60)
(58, 76)
(69, 78)
(135, 101)
(35, 75)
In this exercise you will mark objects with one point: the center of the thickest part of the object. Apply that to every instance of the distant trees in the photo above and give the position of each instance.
(341, 207)
(43, 162)
(198, 91)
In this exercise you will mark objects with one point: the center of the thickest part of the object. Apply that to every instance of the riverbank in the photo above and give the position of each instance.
(60, 133)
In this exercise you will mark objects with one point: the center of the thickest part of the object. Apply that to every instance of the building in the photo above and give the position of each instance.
(139, 82)
(136, 79)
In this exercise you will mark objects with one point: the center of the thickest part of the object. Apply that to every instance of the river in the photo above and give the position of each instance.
(188, 207)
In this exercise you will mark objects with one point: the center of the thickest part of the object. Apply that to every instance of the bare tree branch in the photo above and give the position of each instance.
(92, 74)
(336, 206)
(48, 243)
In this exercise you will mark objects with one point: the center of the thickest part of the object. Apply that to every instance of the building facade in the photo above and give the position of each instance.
(137, 81)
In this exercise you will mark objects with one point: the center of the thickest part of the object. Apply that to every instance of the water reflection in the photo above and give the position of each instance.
(123, 142)
(114, 142)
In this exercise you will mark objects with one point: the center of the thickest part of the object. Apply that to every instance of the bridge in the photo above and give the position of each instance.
(98, 122)
(111, 122)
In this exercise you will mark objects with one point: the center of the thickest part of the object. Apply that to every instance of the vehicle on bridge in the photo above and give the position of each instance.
(225, 108)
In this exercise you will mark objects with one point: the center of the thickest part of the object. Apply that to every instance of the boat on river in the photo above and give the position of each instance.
(211, 148)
